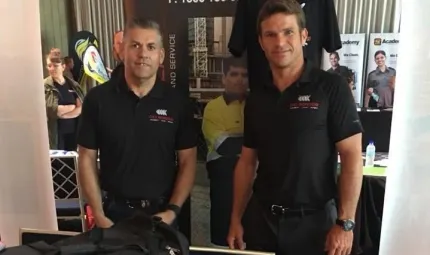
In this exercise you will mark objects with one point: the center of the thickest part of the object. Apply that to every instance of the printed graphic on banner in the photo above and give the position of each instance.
(174, 16)
(91, 60)
(348, 62)
(381, 70)
(78, 68)
(213, 70)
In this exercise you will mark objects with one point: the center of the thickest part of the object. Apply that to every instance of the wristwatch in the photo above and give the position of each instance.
(346, 225)
(172, 207)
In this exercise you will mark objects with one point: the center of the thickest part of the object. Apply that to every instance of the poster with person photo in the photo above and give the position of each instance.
(348, 62)
(381, 70)
(181, 30)
(213, 70)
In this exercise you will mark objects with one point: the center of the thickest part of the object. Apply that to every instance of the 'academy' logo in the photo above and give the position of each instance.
(379, 41)
(348, 42)
(306, 98)
(161, 112)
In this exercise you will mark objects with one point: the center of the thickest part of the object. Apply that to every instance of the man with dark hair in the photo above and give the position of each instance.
(294, 127)
(138, 124)
(321, 22)
(223, 131)
(336, 67)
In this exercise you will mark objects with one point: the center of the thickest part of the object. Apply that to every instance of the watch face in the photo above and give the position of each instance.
(348, 225)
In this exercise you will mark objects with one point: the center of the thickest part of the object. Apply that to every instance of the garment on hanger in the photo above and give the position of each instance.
(321, 22)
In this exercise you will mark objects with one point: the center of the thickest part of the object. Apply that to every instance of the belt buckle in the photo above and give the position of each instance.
(278, 210)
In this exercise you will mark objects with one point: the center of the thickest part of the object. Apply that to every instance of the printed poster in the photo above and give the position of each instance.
(381, 70)
(348, 62)
(201, 26)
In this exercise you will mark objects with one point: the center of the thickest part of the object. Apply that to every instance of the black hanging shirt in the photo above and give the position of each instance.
(321, 22)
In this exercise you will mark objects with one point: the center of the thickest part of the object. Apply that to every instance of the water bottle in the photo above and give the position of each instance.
(375, 96)
(370, 155)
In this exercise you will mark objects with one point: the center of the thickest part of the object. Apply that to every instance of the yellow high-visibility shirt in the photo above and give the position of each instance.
(221, 121)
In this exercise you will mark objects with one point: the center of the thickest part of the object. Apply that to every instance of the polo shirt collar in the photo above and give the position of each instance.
(121, 85)
(230, 98)
(305, 77)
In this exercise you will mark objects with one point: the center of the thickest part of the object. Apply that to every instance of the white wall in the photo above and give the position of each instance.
(406, 221)
(26, 191)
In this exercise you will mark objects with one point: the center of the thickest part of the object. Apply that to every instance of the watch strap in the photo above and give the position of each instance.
(172, 207)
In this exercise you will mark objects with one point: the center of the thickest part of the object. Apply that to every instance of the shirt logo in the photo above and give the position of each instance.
(161, 115)
(161, 112)
(304, 102)
(306, 98)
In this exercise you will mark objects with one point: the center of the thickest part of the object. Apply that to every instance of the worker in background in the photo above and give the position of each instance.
(118, 37)
(223, 132)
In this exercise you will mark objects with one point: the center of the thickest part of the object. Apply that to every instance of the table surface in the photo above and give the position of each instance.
(374, 171)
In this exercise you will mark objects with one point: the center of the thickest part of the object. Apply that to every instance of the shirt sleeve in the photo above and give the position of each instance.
(237, 43)
(87, 130)
(343, 119)
(186, 135)
(249, 134)
(332, 41)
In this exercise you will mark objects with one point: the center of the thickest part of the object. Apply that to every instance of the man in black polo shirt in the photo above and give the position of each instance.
(138, 124)
(321, 24)
(294, 127)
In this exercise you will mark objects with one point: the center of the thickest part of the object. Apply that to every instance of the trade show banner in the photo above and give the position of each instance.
(381, 70)
(348, 62)
(196, 35)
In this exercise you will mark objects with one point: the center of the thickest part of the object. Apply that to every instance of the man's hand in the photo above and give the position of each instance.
(102, 221)
(235, 236)
(167, 216)
(339, 242)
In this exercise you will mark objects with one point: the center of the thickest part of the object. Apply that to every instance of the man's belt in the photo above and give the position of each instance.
(279, 210)
(297, 211)
(138, 203)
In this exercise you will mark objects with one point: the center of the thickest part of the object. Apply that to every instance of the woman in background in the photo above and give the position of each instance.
(63, 99)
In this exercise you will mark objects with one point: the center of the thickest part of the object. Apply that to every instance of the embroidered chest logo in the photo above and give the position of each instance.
(306, 98)
(161, 115)
(304, 102)
(161, 112)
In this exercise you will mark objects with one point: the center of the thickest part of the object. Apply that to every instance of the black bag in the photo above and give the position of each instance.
(138, 235)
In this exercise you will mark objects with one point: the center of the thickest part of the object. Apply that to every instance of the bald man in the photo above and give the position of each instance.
(117, 40)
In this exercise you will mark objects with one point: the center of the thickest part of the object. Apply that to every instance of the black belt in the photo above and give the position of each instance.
(138, 203)
(297, 211)
(279, 210)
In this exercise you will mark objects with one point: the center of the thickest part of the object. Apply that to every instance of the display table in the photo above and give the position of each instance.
(68, 202)
(369, 209)
(377, 128)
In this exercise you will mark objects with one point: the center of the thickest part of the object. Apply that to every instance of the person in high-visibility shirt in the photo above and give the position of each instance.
(223, 131)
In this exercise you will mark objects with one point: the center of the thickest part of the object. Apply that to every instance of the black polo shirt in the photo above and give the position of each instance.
(137, 137)
(321, 22)
(67, 96)
(295, 133)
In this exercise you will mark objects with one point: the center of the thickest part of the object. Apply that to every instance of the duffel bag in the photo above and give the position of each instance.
(139, 235)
